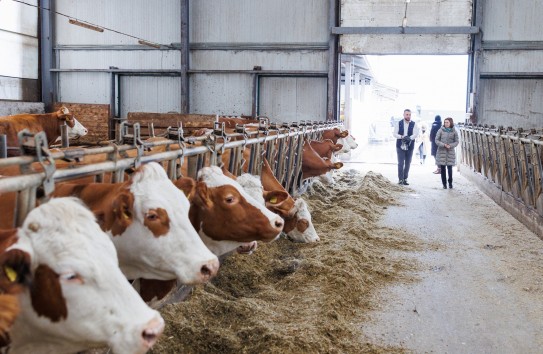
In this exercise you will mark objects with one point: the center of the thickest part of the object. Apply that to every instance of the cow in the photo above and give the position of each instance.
(225, 215)
(334, 134)
(49, 123)
(78, 298)
(148, 222)
(298, 225)
(325, 148)
(313, 165)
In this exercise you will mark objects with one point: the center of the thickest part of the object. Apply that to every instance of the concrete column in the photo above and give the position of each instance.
(348, 99)
(357, 86)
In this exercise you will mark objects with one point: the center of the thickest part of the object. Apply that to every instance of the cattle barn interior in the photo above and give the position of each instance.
(237, 162)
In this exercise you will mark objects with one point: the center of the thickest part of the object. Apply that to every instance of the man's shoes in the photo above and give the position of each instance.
(450, 186)
(444, 186)
(405, 182)
(401, 181)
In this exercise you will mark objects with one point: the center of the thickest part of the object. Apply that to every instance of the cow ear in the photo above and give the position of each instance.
(64, 110)
(187, 185)
(338, 165)
(338, 147)
(123, 210)
(201, 196)
(344, 134)
(275, 198)
(15, 271)
(46, 294)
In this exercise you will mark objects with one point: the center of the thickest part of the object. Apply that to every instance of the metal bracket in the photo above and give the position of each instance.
(46, 161)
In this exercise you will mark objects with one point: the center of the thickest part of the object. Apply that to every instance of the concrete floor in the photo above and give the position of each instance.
(480, 287)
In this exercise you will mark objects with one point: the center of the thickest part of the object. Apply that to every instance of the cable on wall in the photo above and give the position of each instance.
(94, 27)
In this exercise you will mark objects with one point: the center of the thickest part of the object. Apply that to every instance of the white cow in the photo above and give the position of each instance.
(147, 219)
(78, 297)
(298, 225)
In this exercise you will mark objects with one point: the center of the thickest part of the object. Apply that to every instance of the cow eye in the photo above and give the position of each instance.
(71, 277)
(152, 217)
(230, 199)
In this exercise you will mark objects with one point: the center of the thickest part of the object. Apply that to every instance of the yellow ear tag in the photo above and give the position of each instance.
(12, 275)
(126, 216)
(273, 200)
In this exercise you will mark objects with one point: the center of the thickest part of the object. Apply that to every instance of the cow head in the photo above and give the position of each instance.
(75, 128)
(151, 230)
(78, 297)
(299, 228)
(227, 216)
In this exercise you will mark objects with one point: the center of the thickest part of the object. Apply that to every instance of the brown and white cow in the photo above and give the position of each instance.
(325, 148)
(78, 298)
(298, 225)
(334, 134)
(225, 215)
(313, 165)
(49, 123)
(148, 220)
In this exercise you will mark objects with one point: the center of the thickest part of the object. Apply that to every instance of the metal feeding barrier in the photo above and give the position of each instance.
(509, 158)
(34, 174)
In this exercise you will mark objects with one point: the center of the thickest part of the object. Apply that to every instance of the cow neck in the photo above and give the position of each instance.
(7, 238)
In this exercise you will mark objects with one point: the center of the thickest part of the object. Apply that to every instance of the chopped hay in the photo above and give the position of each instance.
(300, 298)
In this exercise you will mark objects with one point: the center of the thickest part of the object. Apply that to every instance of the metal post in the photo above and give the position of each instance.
(185, 41)
(64, 136)
(48, 94)
(3, 146)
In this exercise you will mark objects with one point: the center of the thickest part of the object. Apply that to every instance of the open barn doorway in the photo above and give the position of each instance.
(382, 86)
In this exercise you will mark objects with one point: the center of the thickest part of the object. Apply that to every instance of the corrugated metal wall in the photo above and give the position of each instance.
(511, 70)
(81, 52)
(283, 37)
(227, 39)
(19, 51)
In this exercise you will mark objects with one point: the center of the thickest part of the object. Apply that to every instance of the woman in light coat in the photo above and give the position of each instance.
(446, 139)
(422, 142)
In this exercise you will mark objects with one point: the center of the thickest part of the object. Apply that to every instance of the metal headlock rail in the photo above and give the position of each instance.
(510, 158)
(282, 145)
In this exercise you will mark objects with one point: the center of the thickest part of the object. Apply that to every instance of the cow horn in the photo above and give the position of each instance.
(65, 110)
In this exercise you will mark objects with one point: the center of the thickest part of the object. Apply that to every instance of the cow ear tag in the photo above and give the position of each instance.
(273, 200)
(11, 274)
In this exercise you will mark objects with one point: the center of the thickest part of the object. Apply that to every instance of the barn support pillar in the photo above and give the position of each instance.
(47, 31)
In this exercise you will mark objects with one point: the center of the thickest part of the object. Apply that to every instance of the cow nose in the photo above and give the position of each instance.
(209, 270)
(278, 223)
(152, 331)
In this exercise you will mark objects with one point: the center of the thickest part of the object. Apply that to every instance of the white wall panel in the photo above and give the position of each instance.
(84, 87)
(19, 55)
(279, 21)
(19, 18)
(227, 94)
(289, 99)
(269, 60)
(123, 59)
(390, 13)
(405, 44)
(149, 94)
(156, 21)
(419, 13)
(515, 103)
(512, 61)
(512, 20)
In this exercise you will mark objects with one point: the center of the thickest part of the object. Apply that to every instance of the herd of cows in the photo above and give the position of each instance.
(64, 271)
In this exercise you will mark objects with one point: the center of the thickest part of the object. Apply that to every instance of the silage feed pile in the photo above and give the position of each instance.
(300, 298)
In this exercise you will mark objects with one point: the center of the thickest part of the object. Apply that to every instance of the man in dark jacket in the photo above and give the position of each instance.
(405, 132)
(435, 128)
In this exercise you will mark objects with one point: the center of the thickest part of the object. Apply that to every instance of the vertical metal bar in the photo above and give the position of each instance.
(3, 146)
(185, 41)
(23, 206)
(332, 91)
(48, 95)
(528, 162)
(112, 124)
(254, 104)
(64, 136)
